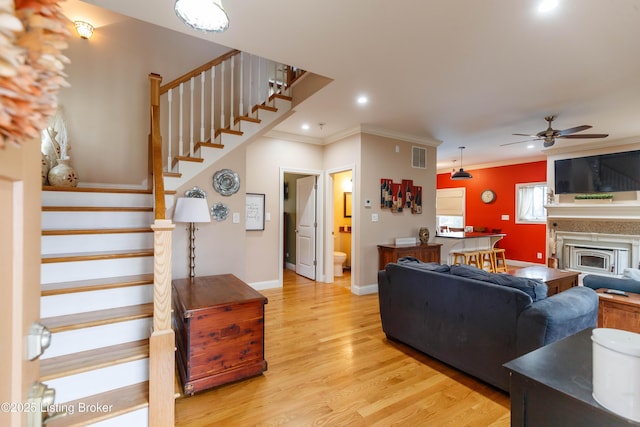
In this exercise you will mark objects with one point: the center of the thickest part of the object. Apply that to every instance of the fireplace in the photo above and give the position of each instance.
(596, 260)
(597, 253)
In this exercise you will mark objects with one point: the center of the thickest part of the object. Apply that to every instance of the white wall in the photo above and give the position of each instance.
(107, 105)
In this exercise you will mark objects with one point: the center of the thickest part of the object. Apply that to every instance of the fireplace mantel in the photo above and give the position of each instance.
(615, 210)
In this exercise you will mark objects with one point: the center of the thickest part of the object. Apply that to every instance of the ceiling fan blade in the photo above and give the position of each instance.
(573, 130)
(586, 135)
(519, 142)
(524, 134)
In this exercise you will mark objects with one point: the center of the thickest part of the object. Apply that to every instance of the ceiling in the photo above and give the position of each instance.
(449, 72)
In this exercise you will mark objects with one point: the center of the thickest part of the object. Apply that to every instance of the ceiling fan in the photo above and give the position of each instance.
(549, 135)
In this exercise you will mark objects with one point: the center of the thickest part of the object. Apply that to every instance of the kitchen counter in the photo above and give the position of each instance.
(456, 241)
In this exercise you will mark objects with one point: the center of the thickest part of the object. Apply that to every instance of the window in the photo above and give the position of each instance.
(530, 200)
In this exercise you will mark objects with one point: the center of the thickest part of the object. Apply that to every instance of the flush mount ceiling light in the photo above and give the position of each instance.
(84, 29)
(461, 174)
(203, 15)
(362, 99)
(547, 5)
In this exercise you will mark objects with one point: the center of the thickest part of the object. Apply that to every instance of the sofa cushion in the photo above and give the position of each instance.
(429, 266)
(536, 289)
(631, 273)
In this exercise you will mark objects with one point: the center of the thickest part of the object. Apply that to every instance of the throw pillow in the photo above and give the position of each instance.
(631, 273)
(429, 266)
(536, 289)
(470, 272)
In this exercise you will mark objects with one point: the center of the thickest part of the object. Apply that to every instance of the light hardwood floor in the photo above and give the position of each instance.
(331, 364)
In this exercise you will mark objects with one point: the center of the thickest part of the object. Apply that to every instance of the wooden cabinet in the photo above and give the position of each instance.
(619, 312)
(219, 327)
(429, 252)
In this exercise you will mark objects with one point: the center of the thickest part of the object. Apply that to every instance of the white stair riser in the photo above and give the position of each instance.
(83, 270)
(82, 302)
(100, 380)
(89, 220)
(281, 104)
(71, 198)
(134, 418)
(98, 336)
(65, 244)
(249, 128)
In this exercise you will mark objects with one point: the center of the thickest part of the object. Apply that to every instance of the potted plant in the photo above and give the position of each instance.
(593, 198)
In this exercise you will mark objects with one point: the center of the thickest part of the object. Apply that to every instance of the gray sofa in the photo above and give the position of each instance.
(594, 281)
(456, 315)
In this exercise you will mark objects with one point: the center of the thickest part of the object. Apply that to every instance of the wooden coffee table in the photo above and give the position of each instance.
(619, 312)
(556, 280)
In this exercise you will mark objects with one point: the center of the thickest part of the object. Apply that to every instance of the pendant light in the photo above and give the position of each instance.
(461, 174)
(203, 15)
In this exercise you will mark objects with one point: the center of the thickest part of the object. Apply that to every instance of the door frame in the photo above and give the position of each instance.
(320, 245)
(330, 184)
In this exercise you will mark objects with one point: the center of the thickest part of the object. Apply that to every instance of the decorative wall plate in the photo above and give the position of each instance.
(219, 211)
(226, 182)
(196, 192)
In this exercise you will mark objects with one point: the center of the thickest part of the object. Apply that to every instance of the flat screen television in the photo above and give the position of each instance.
(605, 173)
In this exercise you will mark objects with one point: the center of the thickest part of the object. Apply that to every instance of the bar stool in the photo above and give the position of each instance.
(500, 260)
(467, 257)
(487, 260)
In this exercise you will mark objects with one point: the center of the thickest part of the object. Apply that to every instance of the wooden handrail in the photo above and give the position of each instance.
(155, 139)
(191, 74)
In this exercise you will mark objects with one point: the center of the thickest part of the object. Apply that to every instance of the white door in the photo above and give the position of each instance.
(20, 211)
(306, 227)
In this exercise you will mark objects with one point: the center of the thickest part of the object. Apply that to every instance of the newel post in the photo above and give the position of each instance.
(162, 340)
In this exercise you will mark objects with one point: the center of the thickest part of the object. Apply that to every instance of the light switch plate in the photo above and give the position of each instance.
(267, 216)
(374, 217)
(505, 217)
(236, 218)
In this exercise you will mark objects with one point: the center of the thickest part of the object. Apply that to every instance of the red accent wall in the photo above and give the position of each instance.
(522, 241)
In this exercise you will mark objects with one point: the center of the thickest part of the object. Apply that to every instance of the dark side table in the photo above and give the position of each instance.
(553, 386)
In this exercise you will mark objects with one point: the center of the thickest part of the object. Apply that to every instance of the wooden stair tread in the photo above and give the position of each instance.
(172, 174)
(67, 232)
(264, 107)
(189, 159)
(119, 401)
(97, 318)
(93, 256)
(280, 96)
(60, 288)
(76, 363)
(209, 145)
(247, 119)
(229, 132)
(97, 209)
(97, 190)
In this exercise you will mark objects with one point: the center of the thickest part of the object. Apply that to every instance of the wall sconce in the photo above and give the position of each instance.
(84, 29)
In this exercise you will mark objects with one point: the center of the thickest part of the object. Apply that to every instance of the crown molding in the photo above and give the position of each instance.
(508, 162)
(386, 133)
(276, 134)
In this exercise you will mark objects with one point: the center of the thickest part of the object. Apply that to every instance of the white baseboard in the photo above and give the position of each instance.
(268, 284)
(365, 290)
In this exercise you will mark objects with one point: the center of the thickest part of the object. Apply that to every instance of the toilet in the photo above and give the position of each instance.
(339, 259)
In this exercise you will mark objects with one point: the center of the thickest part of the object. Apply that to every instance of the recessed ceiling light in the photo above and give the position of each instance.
(530, 146)
(547, 5)
(305, 126)
(362, 99)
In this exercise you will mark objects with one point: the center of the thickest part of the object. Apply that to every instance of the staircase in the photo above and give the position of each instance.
(97, 270)
(97, 293)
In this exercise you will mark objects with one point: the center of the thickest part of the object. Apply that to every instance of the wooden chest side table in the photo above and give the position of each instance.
(219, 327)
(619, 312)
(556, 280)
(428, 252)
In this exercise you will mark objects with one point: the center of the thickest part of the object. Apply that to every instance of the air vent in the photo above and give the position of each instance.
(419, 157)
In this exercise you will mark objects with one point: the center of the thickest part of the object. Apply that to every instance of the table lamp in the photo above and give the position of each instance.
(191, 210)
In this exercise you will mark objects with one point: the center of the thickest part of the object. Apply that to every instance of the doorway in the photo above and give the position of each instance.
(301, 212)
(341, 228)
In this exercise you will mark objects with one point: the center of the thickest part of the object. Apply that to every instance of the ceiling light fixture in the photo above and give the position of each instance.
(461, 174)
(203, 15)
(84, 29)
(305, 126)
(362, 99)
(547, 5)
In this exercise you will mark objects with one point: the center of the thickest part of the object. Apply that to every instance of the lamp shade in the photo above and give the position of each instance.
(461, 174)
(203, 15)
(191, 209)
